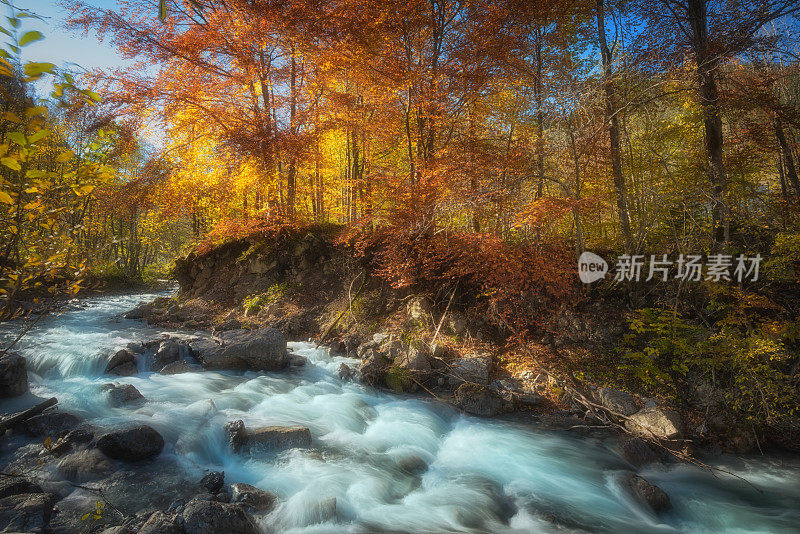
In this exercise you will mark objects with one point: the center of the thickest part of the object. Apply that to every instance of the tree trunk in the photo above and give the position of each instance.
(788, 160)
(613, 129)
(712, 121)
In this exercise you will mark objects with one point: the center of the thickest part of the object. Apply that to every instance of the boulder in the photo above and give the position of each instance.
(126, 369)
(119, 529)
(122, 394)
(637, 452)
(131, 444)
(250, 496)
(160, 523)
(174, 368)
(122, 357)
(168, 352)
(479, 400)
(253, 350)
(213, 481)
(13, 375)
(295, 360)
(617, 401)
(85, 465)
(345, 372)
(362, 351)
(211, 517)
(50, 424)
(414, 360)
(473, 368)
(648, 493)
(655, 422)
(26, 512)
(337, 348)
(141, 311)
(277, 438)
(237, 434)
(374, 366)
(16, 485)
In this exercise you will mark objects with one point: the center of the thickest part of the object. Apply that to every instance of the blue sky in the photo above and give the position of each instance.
(64, 47)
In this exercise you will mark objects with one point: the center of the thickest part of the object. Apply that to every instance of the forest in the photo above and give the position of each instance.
(460, 157)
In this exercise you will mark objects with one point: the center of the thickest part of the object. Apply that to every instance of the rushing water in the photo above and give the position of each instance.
(392, 463)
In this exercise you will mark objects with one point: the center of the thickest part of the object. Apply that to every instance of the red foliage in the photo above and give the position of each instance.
(514, 283)
(233, 229)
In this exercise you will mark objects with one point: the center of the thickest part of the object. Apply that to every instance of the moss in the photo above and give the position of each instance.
(399, 379)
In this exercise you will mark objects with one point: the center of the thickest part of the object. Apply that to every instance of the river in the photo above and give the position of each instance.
(392, 463)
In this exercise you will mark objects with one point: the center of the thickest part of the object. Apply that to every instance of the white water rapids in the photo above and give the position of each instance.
(393, 463)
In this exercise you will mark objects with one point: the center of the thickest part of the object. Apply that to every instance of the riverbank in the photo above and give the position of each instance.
(330, 453)
(560, 352)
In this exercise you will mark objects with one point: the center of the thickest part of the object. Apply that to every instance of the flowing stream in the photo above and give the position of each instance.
(392, 463)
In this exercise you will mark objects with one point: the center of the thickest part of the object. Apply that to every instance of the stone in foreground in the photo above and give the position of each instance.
(277, 438)
(211, 517)
(655, 422)
(247, 350)
(13, 375)
(649, 493)
(131, 444)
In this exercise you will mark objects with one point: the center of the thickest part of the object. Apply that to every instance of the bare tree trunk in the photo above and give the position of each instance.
(712, 120)
(791, 171)
(291, 175)
(613, 129)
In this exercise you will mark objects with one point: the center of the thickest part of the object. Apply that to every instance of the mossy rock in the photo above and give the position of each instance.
(399, 379)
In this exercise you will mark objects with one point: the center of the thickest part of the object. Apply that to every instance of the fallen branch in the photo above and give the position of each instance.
(17, 418)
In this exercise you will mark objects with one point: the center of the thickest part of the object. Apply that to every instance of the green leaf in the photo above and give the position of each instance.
(17, 137)
(30, 37)
(162, 10)
(14, 21)
(38, 135)
(11, 163)
(5, 198)
(36, 69)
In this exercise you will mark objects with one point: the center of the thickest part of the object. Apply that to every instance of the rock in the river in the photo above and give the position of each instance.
(211, 517)
(637, 452)
(26, 512)
(120, 357)
(237, 434)
(479, 400)
(160, 523)
(213, 481)
(471, 368)
(655, 422)
(50, 424)
(648, 493)
(175, 368)
(131, 444)
(13, 375)
(345, 372)
(15, 485)
(121, 394)
(168, 352)
(295, 360)
(617, 401)
(250, 496)
(85, 465)
(277, 438)
(253, 350)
